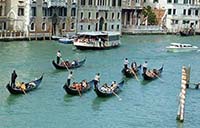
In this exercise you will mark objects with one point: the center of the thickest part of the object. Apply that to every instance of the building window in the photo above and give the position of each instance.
(106, 15)
(189, 12)
(174, 11)
(90, 2)
(119, 3)
(113, 3)
(81, 27)
(176, 1)
(82, 2)
(97, 15)
(88, 27)
(155, 1)
(196, 12)
(63, 26)
(118, 15)
(20, 11)
(185, 2)
(65, 11)
(44, 27)
(169, 1)
(82, 15)
(89, 15)
(96, 28)
(118, 27)
(113, 15)
(72, 26)
(32, 26)
(2, 26)
(33, 11)
(44, 11)
(112, 27)
(169, 11)
(50, 12)
(73, 12)
(184, 11)
(186, 21)
(1, 11)
(105, 26)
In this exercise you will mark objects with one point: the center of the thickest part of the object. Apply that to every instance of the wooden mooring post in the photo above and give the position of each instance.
(184, 84)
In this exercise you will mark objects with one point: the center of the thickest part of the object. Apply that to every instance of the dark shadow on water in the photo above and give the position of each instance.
(67, 98)
(145, 82)
(11, 99)
(97, 102)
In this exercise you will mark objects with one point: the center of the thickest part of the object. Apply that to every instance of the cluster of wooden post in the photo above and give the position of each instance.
(185, 79)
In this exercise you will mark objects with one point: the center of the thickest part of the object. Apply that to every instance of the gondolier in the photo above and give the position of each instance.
(70, 76)
(145, 66)
(13, 78)
(58, 56)
(96, 79)
(126, 62)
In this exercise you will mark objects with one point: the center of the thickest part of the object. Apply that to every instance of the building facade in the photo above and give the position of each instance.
(179, 14)
(3, 18)
(52, 17)
(99, 15)
(131, 14)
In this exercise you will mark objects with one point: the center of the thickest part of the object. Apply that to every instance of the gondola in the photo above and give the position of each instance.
(73, 91)
(157, 74)
(109, 92)
(129, 72)
(29, 86)
(68, 65)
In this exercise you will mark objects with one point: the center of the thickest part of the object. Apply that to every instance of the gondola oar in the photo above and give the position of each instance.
(117, 96)
(64, 64)
(159, 78)
(134, 74)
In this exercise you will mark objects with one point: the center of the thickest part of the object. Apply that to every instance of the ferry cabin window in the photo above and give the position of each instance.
(113, 38)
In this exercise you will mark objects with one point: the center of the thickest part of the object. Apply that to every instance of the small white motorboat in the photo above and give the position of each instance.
(178, 47)
(66, 40)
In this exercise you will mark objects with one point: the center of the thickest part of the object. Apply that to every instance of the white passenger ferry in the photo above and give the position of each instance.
(97, 40)
(178, 47)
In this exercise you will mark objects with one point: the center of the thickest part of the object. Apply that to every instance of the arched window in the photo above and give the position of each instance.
(32, 26)
(63, 26)
(44, 26)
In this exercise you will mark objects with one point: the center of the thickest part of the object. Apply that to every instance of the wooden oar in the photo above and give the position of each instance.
(117, 96)
(134, 74)
(78, 91)
(159, 78)
(64, 63)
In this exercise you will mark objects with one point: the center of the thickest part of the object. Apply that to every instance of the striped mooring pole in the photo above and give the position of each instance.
(184, 84)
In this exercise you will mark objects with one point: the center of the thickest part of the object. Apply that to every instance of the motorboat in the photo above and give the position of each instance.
(179, 47)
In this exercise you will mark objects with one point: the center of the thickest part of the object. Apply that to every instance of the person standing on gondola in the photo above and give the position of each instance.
(126, 62)
(58, 56)
(96, 79)
(70, 76)
(145, 66)
(13, 78)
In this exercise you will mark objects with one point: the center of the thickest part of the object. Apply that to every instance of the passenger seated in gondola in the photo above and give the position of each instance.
(74, 62)
(76, 86)
(84, 84)
(105, 87)
(113, 85)
(23, 86)
(151, 73)
(134, 66)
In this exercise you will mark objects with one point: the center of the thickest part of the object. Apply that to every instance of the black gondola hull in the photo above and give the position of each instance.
(28, 89)
(58, 66)
(108, 94)
(149, 78)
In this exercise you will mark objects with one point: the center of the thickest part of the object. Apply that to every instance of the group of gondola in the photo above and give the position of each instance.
(78, 88)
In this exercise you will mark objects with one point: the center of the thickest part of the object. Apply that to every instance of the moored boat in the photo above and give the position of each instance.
(69, 65)
(97, 40)
(152, 74)
(187, 32)
(105, 91)
(32, 85)
(179, 47)
(66, 40)
(78, 90)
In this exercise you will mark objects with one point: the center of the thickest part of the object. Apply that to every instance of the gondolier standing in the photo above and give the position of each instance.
(96, 79)
(58, 56)
(13, 78)
(145, 67)
(70, 76)
(126, 62)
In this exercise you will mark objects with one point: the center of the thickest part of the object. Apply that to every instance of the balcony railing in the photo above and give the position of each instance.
(103, 8)
(56, 3)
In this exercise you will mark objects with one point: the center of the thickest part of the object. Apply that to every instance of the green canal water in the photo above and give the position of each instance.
(143, 105)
